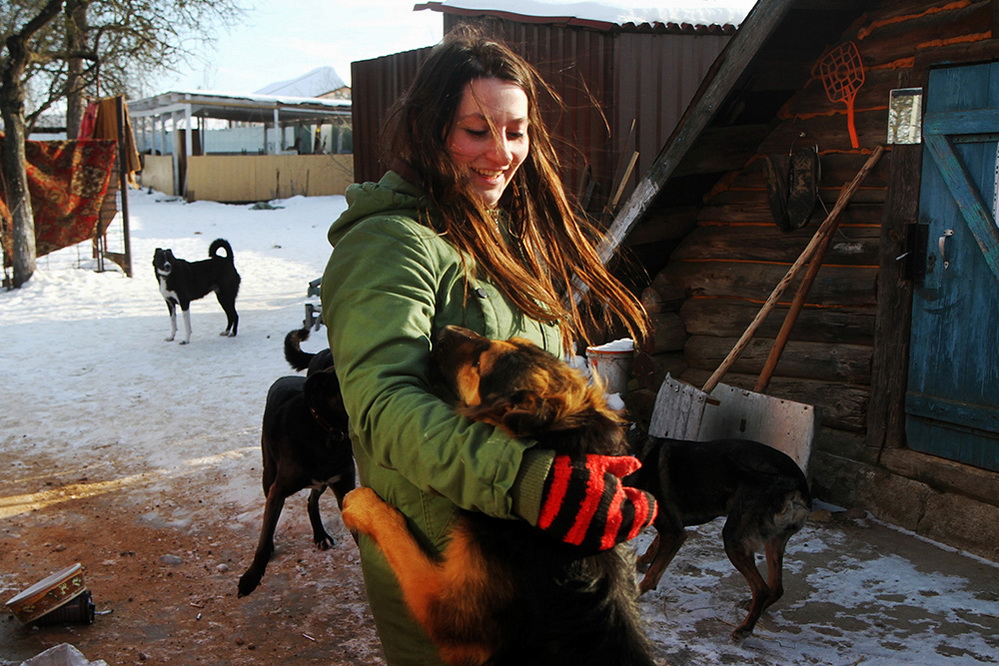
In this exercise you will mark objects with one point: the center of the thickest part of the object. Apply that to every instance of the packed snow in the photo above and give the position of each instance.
(86, 369)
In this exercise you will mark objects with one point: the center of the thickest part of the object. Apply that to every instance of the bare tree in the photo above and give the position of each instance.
(63, 50)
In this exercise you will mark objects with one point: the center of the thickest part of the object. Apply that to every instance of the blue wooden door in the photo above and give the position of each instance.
(952, 402)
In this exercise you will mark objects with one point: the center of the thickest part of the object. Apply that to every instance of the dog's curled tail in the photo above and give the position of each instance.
(794, 513)
(220, 243)
(293, 353)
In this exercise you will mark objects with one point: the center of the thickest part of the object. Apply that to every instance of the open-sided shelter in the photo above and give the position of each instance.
(171, 127)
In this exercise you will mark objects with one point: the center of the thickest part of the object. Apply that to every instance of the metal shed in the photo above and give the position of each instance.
(624, 88)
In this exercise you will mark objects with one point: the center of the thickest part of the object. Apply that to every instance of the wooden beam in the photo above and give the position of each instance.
(724, 73)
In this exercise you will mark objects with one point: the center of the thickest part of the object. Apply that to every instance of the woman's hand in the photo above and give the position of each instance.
(585, 504)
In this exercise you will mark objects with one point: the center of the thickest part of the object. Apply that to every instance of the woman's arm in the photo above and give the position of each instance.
(388, 286)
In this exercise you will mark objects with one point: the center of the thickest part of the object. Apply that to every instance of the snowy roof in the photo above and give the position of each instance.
(236, 106)
(606, 14)
(318, 82)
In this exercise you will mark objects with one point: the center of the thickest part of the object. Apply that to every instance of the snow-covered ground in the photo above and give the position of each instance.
(85, 368)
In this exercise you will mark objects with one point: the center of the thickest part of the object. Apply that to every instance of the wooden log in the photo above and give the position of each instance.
(649, 370)
(771, 244)
(661, 224)
(667, 334)
(725, 317)
(753, 208)
(835, 286)
(808, 360)
(827, 194)
(651, 301)
(837, 405)
(671, 296)
(891, 41)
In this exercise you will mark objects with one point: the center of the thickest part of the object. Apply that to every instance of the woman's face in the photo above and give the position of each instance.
(490, 158)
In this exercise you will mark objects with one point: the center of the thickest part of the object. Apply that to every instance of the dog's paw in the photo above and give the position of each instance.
(248, 582)
(363, 511)
(183, 342)
(170, 339)
(325, 542)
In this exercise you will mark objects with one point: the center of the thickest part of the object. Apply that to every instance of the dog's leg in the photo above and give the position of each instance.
(249, 581)
(649, 554)
(172, 309)
(228, 302)
(186, 311)
(419, 577)
(320, 536)
(432, 591)
(343, 485)
(774, 550)
(744, 560)
(669, 538)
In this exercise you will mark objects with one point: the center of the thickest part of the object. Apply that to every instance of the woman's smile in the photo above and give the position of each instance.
(489, 135)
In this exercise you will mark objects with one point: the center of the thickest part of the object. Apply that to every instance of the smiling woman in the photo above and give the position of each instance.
(471, 227)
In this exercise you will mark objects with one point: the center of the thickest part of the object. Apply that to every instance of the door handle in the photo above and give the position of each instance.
(941, 245)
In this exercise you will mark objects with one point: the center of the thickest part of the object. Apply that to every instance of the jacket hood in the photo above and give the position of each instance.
(390, 195)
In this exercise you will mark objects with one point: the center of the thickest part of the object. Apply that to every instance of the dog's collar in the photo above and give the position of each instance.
(340, 434)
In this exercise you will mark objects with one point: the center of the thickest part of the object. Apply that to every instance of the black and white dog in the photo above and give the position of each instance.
(184, 281)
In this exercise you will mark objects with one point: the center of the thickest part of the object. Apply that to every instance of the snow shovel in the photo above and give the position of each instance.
(717, 410)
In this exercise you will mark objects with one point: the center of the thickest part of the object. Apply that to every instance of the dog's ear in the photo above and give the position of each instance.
(322, 394)
(522, 414)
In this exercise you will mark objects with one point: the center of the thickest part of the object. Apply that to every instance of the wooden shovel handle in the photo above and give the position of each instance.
(824, 231)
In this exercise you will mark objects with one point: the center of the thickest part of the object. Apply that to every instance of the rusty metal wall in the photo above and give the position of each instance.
(657, 75)
(375, 85)
(605, 80)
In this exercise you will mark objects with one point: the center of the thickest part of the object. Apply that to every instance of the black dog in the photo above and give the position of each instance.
(504, 592)
(761, 491)
(305, 444)
(184, 281)
(303, 360)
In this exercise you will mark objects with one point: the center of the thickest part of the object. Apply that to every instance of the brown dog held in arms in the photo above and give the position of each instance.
(761, 491)
(305, 444)
(505, 592)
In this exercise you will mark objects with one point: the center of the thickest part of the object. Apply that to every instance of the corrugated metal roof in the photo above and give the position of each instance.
(678, 17)
(233, 106)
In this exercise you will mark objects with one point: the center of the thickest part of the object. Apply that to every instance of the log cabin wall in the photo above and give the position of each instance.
(715, 254)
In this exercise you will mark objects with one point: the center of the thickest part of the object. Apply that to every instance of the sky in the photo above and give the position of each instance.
(856, 592)
(279, 41)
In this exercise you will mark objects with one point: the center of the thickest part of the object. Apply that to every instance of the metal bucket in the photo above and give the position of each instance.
(612, 364)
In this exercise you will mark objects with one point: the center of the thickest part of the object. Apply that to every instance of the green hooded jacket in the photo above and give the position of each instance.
(391, 283)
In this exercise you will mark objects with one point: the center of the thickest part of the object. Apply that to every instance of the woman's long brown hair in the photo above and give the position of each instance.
(550, 242)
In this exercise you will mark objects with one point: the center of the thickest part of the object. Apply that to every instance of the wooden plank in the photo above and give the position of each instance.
(649, 370)
(966, 195)
(771, 244)
(889, 366)
(757, 27)
(834, 286)
(978, 121)
(667, 334)
(729, 318)
(805, 360)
